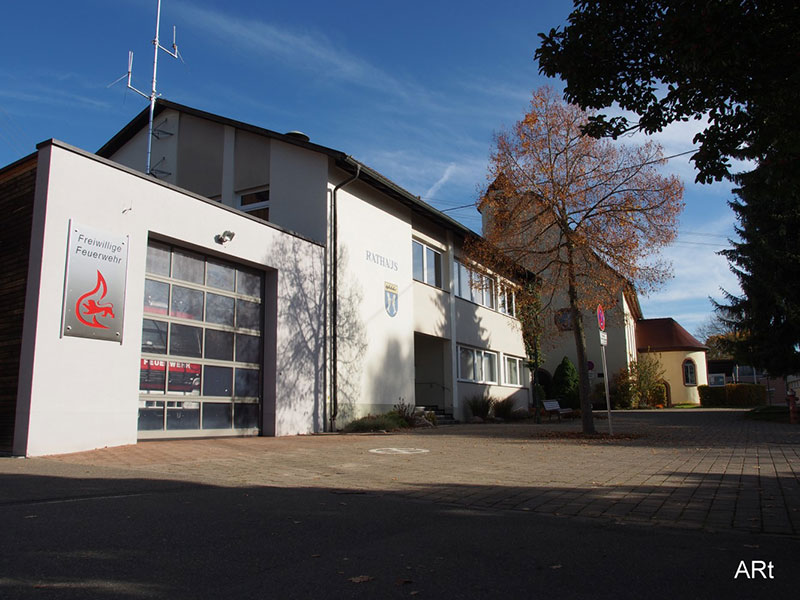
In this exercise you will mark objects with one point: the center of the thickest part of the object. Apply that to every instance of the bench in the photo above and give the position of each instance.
(552, 407)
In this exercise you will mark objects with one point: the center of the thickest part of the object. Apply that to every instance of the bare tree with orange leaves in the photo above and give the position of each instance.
(587, 216)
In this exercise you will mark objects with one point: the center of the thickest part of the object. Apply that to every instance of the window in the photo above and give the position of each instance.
(479, 366)
(475, 287)
(689, 372)
(427, 264)
(255, 202)
(201, 343)
(506, 302)
(514, 370)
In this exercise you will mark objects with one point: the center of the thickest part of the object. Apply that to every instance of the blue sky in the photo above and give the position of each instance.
(413, 89)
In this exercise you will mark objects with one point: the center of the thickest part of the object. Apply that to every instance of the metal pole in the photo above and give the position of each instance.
(608, 396)
(153, 88)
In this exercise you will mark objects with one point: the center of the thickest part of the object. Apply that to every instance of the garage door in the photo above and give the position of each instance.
(201, 360)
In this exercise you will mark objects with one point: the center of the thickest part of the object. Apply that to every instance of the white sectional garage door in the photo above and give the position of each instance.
(202, 346)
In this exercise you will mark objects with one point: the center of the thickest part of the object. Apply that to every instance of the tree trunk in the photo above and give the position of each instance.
(580, 347)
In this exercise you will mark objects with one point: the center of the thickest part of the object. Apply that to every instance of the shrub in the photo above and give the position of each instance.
(711, 396)
(386, 422)
(621, 389)
(565, 384)
(737, 395)
(504, 408)
(404, 411)
(480, 406)
(746, 394)
(658, 395)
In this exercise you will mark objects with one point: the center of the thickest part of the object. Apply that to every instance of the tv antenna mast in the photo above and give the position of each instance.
(153, 93)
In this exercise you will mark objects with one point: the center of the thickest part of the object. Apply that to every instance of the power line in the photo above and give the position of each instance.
(629, 167)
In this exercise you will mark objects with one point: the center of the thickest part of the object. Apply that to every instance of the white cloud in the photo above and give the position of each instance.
(448, 172)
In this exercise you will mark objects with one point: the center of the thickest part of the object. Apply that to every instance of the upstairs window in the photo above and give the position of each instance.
(255, 202)
(427, 264)
(689, 372)
(475, 287)
(506, 301)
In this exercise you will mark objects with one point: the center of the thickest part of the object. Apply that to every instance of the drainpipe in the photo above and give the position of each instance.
(335, 300)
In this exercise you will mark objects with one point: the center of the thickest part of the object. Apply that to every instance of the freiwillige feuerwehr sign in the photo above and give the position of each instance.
(94, 288)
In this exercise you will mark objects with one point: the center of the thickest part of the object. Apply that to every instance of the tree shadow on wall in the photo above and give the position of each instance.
(301, 339)
(352, 342)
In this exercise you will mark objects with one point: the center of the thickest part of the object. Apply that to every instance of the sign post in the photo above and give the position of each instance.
(601, 323)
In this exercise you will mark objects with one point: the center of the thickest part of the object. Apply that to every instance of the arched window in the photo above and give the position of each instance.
(689, 372)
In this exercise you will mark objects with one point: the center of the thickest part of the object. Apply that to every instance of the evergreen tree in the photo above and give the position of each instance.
(766, 318)
(565, 383)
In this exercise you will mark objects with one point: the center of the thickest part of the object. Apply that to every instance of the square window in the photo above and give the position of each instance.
(219, 309)
(151, 416)
(248, 315)
(154, 336)
(248, 283)
(158, 259)
(248, 348)
(156, 297)
(220, 275)
(217, 415)
(188, 266)
(219, 344)
(184, 415)
(247, 381)
(218, 381)
(184, 378)
(186, 340)
(152, 376)
(245, 416)
(186, 303)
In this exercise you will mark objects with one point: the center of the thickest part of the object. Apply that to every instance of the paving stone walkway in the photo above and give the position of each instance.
(697, 469)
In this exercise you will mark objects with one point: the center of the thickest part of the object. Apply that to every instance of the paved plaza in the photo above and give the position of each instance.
(709, 470)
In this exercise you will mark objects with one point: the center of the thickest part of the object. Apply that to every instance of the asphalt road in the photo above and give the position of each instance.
(118, 537)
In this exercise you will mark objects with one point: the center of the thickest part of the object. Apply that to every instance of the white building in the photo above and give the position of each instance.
(240, 256)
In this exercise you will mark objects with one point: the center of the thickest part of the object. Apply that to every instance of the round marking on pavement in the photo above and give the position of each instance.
(399, 450)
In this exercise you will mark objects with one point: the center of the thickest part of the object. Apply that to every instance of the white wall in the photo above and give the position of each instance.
(376, 351)
(298, 189)
(78, 394)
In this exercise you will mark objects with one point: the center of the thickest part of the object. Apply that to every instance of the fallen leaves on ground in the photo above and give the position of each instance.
(587, 437)
(360, 578)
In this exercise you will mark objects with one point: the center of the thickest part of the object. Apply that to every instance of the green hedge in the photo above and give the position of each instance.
(737, 395)
(712, 396)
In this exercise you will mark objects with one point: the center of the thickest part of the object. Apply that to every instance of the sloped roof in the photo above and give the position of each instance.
(663, 335)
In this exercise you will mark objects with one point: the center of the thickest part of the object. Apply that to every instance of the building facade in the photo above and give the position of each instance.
(270, 286)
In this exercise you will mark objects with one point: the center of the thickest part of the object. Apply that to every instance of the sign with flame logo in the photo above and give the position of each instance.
(94, 289)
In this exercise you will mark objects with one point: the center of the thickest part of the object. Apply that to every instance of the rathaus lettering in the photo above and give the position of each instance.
(382, 261)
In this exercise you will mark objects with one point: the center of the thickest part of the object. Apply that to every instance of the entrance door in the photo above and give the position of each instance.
(429, 379)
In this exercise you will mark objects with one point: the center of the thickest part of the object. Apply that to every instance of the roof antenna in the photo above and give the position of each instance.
(153, 94)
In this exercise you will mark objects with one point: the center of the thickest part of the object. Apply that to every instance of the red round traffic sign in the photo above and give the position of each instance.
(601, 318)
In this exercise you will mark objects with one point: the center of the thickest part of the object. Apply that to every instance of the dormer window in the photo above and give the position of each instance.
(255, 202)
